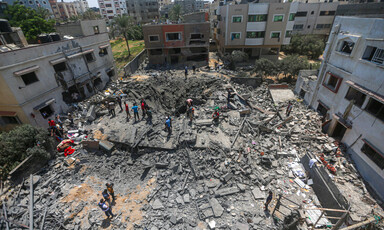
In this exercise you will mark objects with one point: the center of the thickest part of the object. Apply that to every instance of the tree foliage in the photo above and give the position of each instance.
(175, 13)
(291, 65)
(125, 26)
(90, 15)
(32, 22)
(239, 56)
(21, 142)
(311, 46)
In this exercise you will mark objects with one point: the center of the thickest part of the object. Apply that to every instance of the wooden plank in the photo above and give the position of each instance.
(18, 192)
(238, 132)
(43, 220)
(5, 215)
(327, 209)
(370, 220)
(31, 202)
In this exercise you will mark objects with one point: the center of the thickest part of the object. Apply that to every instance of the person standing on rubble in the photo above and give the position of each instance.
(135, 109)
(168, 125)
(127, 110)
(106, 196)
(189, 102)
(269, 199)
(194, 69)
(111, 191)
(149, 115)
(191, 112)
(118, 99)
(216, 116)
(186, 72)
(112, 108)
(143, 106)
(105, 208)
(289, 109)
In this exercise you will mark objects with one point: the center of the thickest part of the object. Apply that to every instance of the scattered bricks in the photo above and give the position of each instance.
(186, 198)
(179, 200)
(90, 145)
(245, 111)
(258, 194)
(216, 207)
(106, 145)
(227, 191)
(161, 165)
(212, 183)
(227, 177)
(241, 187)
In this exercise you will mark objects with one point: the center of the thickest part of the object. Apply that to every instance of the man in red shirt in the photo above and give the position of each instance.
(143, 107)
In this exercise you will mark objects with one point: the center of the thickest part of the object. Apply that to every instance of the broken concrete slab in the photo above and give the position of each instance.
(156, 205)
(206, 122)
(107, 145)
(91, 114)
(227, 191)
(216, 207)
(258, 194)
(212, 183)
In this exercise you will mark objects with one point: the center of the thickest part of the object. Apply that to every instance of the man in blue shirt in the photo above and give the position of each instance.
(135, 109)
(186, 72)
(105, 208)
(168, 125)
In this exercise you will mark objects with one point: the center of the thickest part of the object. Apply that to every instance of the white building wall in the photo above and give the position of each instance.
(47, 87)
(362, 31)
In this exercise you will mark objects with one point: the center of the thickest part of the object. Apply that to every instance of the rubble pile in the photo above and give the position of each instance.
(202, 176)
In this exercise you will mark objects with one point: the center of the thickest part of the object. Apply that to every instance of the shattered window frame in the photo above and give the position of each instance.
(60, 67)
(153, 36)
(373, 154)
(346, 47)
(29, 78)
(326, 82)
(358, 97)
(88, 59)
(103, 52)
(375, 108)
(179, 37)
(237, 18)
(373, 54)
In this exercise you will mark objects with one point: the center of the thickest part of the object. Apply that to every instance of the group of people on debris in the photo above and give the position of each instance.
(107, 194)
(186, 71)
(135, 109)
(55, 127)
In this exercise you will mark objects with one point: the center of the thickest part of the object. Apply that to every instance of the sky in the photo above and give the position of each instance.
(93, 3)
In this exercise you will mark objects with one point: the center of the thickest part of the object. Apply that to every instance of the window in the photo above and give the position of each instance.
(291, 17)
(301, 14)
(323, 26)
(7, 120)
(108, 5)
(96, 29)
(256, 34)
(355, 95)
(235, 36)
(154, 38)
(29, 78)
(374, 54)
(103, 52)
(332, 82)
(288, 33)
(110, 12)
(46, 111)
(373, 154)
(237, 19)
(156, 52)
(173, 36)
(60, 67)
(298, 27)
(327, 13)
(197, 36)
(275, 34)
(376, 108)
(278, 18)
(257, 18)
(346, 47)
(89, 57)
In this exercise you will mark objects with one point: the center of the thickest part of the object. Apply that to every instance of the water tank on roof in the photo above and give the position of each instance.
(44, 38)
(55, 37)
(5, 26)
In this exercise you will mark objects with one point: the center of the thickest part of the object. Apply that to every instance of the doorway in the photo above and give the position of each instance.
(339, 131)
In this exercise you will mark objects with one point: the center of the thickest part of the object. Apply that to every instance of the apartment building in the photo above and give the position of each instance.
(187, 6)
(31, 3)
(81, 6)
(39, 81)
(82, 28)
(63, 10)
(259, 29)
(177, 44)
(111, 8)
(143, 11)
(163, 3)
(349, 93)
(370, 10)
(315, 18)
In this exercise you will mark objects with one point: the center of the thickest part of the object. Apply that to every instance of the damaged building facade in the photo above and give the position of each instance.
(175, 44)
(258, 29)
(39, 81)
(348, 92)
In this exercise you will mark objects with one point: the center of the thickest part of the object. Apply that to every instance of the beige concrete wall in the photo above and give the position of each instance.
(203, 28)
(236, 10)
(153, 30)
(276, 9)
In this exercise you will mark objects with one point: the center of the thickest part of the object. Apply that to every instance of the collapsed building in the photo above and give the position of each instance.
(40, 80)
(203, 175)
(348, 93)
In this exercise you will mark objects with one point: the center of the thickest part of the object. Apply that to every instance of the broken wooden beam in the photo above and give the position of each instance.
(5, 216)
(18, 192)
(370, 220)
(285, 121)
(14, 222)
(238, 132)
(43, 220)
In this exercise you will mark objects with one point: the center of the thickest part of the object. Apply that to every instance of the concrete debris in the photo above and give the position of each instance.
(200, 175)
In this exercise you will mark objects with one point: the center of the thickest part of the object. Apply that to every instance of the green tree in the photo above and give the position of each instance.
(126, 27)
(21, 142)
(175, 13)
(292, 64)
(265, 67)
(29, 21)
(43, 12)
(311, 46)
